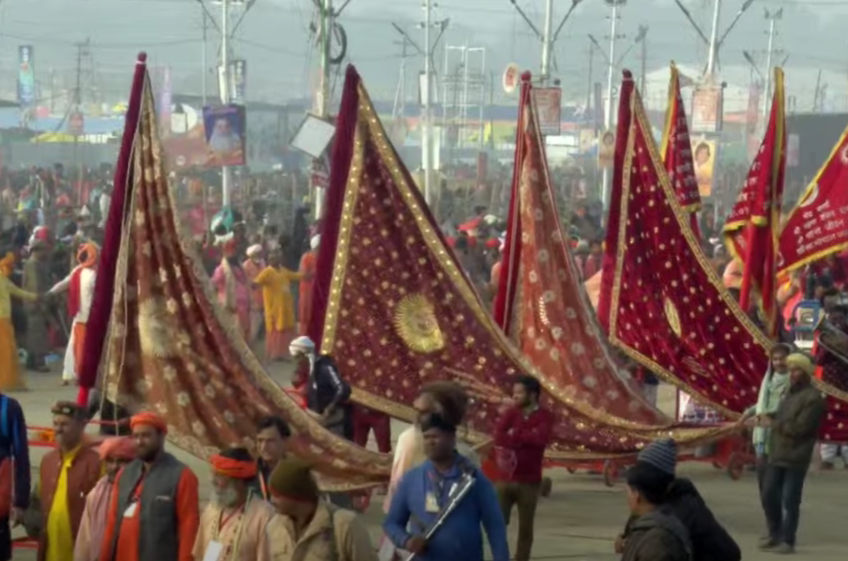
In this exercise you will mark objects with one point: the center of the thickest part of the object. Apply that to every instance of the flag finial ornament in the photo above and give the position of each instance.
(526, 76)
(142, 58)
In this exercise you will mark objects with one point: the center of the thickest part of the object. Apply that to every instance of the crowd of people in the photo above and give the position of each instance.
(126, 498)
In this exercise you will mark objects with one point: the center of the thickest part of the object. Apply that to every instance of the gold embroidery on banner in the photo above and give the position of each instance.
(672, 316)
(458, 279)
(154, 330)
(416, 323)
(363, 467)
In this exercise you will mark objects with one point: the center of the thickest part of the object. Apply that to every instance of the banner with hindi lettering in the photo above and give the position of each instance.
(818, 225)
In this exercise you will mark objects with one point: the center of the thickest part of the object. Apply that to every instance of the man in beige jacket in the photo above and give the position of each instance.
(309, 529)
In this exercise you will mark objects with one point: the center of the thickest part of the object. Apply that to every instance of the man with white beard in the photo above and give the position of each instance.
(234, 524)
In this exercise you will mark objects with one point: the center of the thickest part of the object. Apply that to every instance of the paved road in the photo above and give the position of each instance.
(579, 521)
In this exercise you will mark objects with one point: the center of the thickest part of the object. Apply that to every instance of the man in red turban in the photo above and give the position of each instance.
(115, 453)
(236, 519)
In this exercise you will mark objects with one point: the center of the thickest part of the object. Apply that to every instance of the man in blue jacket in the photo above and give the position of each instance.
(424, 493)
(14, 466)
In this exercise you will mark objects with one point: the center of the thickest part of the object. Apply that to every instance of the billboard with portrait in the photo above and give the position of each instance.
(704, 157)
(224, 127)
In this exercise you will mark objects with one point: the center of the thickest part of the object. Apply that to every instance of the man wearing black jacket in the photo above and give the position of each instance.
(14, 458)
(710, 541)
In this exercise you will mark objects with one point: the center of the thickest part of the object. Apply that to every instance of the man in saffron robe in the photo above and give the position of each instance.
(253, 265)
(154, 512)
(115, 453)
(233, 286)
(80, 287)
(233, 527)
(277, 297)
(66, 476)
(307, 268)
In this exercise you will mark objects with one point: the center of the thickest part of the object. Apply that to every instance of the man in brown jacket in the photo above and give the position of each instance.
(653, 534)
(794, 431)
(309, 529)
(67, 474)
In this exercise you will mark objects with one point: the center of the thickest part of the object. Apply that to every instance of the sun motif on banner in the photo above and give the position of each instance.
(672, 316)
(416, 323)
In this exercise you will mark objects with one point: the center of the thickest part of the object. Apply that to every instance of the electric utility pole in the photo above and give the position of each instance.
(427, 144)
(224, 82)
(548, 36)
(714, 42)
(615, 5)
(203, 61)
(772, 17)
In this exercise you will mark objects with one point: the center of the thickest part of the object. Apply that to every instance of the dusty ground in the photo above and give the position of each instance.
(582, 516)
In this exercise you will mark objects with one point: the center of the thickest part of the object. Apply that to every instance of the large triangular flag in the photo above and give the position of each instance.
(818, 225)
(171, 349)
(540, 303)
(751, 229)
(398, 312)
(661, 302)
(676, 151)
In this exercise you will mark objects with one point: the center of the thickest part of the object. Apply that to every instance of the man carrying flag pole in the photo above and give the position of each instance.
(676, 152)
(751, 230)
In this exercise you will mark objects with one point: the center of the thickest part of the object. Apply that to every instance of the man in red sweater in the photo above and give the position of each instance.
(521, 437)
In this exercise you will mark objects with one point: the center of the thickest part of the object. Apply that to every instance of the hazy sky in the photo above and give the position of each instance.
(274, 38)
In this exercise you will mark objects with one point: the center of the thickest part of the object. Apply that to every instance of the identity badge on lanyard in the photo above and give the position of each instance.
(434, 496)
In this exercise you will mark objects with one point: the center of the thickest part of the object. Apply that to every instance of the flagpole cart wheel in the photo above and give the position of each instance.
(610, 473)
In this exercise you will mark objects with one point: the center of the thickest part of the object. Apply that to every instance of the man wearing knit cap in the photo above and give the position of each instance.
(235, 522)
(115, 453)
(155, 488)
(794, 430)
(654, 472)
(67, 474)
(308, 529)
(652, 533)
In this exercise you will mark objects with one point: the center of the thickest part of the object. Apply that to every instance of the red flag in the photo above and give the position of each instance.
(661, 302)
(751, 230)
(818, 225)
(676, 150)
(553, 323)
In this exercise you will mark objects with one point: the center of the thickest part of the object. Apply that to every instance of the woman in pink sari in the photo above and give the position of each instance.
(233, 286)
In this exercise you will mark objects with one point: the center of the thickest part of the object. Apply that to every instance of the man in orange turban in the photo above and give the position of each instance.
(80, 287)
(115, 453)
(155, 487)
(236, 519)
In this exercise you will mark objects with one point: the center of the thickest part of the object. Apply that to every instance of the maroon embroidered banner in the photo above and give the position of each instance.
(540, 303)
(661, 302)
(399, 312)
(676, 150)
(171, 349)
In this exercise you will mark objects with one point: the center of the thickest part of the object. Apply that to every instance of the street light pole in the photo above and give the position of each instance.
(547, 41)
(427, 144)
(713, 54)
(772, 17)
(225, 89)
(609, 106)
